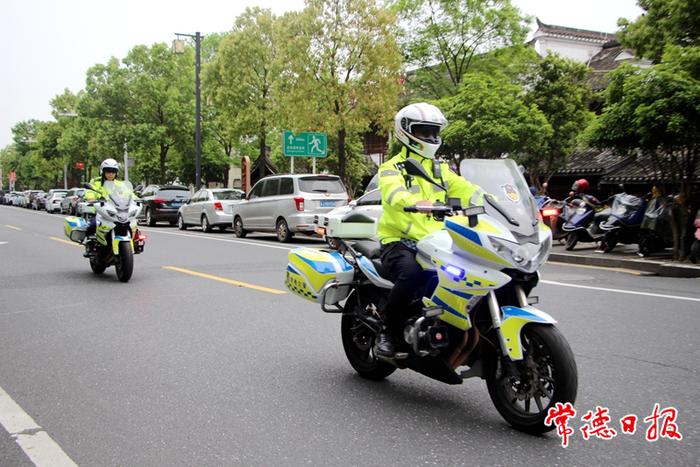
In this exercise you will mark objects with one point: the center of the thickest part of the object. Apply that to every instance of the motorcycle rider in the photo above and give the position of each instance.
(109, 169)
(417, 127)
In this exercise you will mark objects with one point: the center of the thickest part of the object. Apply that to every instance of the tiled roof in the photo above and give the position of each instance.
(574, 33)
(592, 162)
(641, 169)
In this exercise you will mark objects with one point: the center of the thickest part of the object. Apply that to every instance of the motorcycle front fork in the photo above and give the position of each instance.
(495, 311)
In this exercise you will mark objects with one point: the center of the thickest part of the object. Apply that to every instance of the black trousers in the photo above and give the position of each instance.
(407, 276)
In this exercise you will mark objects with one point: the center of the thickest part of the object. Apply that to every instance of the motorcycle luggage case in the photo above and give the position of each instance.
(75, 228)
(310, 270)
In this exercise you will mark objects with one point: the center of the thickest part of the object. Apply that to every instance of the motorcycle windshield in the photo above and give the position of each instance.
(511, 201)
(625, 206)
(119, 193)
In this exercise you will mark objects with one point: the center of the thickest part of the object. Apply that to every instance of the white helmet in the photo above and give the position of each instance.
(109, 164)
(418, 127)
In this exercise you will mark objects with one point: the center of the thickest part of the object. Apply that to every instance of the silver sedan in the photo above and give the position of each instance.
(208, 208)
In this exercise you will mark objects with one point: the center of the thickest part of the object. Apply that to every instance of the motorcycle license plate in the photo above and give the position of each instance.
(327, 203)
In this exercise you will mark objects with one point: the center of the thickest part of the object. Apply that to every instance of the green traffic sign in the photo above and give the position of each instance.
(307, 144)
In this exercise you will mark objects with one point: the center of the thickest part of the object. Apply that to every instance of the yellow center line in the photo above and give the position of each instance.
(226, 281)
(65, 241)
(12, 227)
(589, 266)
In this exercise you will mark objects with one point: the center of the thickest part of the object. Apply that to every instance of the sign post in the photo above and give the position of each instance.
(306, 144)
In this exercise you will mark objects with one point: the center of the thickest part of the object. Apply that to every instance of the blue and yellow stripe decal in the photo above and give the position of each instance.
(469, 240)
(514, 318)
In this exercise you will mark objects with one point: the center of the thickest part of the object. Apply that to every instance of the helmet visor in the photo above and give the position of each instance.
(424, 132)
(110, 170)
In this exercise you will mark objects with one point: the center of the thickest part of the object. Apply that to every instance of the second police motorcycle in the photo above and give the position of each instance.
(117, 237)
(475, 318)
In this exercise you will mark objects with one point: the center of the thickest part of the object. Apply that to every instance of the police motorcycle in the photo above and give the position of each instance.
(475, 318)
(624, 222)
(117, 238)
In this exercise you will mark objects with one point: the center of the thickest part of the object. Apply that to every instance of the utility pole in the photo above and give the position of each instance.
(177, 48)
(126, 163)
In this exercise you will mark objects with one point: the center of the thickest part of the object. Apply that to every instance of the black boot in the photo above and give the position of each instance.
(384, 347)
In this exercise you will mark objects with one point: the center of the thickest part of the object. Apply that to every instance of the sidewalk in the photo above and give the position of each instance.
(626, 257)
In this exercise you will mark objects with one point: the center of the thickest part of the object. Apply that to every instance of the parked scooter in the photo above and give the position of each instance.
(655, 233)
(695, 248)
(584, 224)
(623, 224)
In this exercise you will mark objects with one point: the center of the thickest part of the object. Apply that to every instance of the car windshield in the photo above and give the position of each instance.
(511, 201)
(321, 184)
(228, 194)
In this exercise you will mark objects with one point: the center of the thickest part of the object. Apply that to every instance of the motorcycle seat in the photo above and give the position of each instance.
(369, 248)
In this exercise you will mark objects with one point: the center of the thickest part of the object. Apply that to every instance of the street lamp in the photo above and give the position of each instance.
(178, 48)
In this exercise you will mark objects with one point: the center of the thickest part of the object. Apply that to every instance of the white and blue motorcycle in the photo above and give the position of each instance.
(475, 318)
(117, 238)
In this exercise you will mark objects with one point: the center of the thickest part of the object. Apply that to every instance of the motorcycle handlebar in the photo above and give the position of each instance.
(429, 209)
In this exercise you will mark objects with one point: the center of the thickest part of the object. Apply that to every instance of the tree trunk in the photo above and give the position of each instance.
(163, 155)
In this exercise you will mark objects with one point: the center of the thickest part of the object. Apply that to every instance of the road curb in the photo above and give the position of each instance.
(660, 268)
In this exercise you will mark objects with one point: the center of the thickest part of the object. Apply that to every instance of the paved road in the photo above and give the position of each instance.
(175, 368)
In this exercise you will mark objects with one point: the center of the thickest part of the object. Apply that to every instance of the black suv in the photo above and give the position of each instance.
(162, 203)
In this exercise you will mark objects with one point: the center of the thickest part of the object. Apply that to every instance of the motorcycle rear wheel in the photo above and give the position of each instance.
(358, 342)
(547, 371)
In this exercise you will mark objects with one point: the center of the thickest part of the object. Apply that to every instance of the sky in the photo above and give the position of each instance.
(47, 46)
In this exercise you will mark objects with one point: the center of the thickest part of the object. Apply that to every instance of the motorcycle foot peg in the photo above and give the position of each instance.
(534, 300)
(432, 311)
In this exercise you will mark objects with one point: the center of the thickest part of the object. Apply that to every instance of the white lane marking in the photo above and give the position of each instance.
(3, 243)
(206, 237)
(34, 441)
(631, 292)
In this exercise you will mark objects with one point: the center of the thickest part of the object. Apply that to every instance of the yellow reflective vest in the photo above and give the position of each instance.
(103, 192)
(399, 190)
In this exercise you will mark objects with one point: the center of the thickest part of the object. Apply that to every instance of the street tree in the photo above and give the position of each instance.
(342, 74)
(655, 112)
(240, 80)
(663, 23)
(441, 38)
(559, 89)
(490, 117)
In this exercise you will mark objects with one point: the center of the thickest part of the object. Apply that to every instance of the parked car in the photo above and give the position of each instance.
(209, 207)
(38, 200)
(69, 203)
(286, 204)
(162, 203)
(52, 203)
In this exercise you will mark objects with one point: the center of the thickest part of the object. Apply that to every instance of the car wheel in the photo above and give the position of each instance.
(205, 224)
(283, 233)
(238, 229)
(150, 221)
(181, 223)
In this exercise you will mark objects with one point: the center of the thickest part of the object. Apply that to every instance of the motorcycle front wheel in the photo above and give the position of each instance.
(571, 241)
(124, 262)
(546, 375)
(358, 341)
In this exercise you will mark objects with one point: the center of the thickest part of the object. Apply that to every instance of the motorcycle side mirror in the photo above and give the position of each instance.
(412, 167)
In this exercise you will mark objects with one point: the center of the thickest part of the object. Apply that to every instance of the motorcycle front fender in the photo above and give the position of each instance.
(118, 239)
(514, 319)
